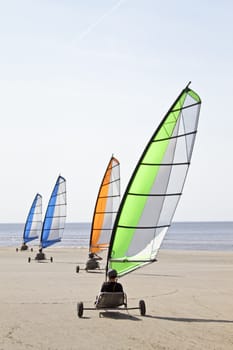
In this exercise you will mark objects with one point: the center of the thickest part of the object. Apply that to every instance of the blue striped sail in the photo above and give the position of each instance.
(33, 223)
(55, 217)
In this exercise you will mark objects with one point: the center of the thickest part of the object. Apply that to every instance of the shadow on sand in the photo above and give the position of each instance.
(118, 315)
(189, 320)
(155, 275)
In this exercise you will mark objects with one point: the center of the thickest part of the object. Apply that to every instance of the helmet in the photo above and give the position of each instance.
(112, 273)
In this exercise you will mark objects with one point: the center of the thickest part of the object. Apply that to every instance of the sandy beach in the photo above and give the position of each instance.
(188, 295)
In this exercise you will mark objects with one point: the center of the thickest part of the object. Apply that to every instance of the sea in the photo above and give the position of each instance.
(214, 236)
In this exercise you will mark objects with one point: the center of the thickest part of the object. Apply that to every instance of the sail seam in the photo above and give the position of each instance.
(114, 166)
(185, 107)
(129, 260)
(144, 227)
(109, 196)
(56, 216)
(102, 229)
(176, 137)
(165, 164)
(106, 212)
(54, 229)
(111, 182)
(155, 194)
(58, 194)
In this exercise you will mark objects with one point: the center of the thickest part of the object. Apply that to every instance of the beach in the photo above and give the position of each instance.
(188, 296)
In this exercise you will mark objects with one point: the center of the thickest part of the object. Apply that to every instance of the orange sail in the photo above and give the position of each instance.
(106, 207)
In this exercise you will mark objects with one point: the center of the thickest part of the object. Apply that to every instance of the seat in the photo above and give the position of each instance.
(106, 300)
(92, 264)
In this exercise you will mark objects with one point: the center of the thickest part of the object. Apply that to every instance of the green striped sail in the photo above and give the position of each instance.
(154, 190)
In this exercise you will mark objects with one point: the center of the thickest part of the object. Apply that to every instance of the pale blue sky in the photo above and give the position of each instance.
(80, 80)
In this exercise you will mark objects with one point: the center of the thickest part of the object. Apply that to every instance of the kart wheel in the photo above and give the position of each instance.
(29, 259)
(77, 269)
(51, 259)
(80, 309)
(142, 307)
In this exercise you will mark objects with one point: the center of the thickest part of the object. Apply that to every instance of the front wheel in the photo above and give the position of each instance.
(29, 259)
(80, 309)
(77, 269)
(51, 259)
(142, 307)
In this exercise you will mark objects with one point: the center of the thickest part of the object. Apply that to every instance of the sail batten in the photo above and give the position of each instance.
(155, 187)
(132, 260)
(102, 197)
(154, 194)
(184, 107)
(105, 212)
(165, 164)
(175, 137)
(144, 227)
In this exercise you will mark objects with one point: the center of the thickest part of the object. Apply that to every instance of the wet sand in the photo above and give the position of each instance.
(188, 296)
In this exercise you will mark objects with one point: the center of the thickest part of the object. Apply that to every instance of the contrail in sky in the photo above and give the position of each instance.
(100, 19)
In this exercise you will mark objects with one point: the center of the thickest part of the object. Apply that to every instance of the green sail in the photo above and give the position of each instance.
(154, 190)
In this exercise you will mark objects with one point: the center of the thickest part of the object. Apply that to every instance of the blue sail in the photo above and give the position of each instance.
(33, 223)
(55, 217)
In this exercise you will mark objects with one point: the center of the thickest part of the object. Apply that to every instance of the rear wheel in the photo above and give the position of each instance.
(142, 307)
(80, 309)
(77, 269)
(29, 259)
(17, 249)
(51, 259)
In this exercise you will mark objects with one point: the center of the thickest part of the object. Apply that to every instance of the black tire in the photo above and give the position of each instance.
(17, 249)
(31, 249)
(142, 307)
(80, 309)
(29, 259)
(77, 269)
(51, 259)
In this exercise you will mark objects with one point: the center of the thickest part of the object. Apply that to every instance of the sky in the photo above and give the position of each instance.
(82, 80)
